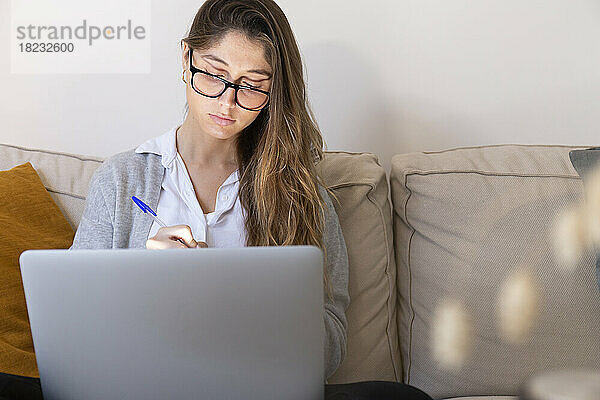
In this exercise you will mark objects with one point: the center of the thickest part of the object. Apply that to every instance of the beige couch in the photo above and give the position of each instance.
(455, 226)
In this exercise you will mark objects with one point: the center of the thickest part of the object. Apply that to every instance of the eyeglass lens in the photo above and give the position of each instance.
(212, 86)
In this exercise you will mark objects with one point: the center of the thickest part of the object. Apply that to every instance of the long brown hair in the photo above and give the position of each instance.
(277, 153)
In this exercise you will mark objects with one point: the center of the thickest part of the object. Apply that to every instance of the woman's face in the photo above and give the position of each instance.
(232, 59)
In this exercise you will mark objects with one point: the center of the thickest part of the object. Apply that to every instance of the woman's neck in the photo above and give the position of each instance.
(200, 149)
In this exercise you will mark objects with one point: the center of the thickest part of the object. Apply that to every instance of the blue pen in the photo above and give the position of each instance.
(146, 209)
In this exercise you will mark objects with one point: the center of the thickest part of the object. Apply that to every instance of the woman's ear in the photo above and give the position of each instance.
(184, 54)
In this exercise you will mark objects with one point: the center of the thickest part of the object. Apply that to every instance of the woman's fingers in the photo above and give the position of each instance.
(157, 244)
(183, 232)
(177, 236)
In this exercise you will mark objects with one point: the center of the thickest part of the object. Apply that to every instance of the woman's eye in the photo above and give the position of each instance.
(243, 83)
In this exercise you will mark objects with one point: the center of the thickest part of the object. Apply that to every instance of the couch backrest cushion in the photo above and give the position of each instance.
(466, 220)
(65, 176)
(364, 211)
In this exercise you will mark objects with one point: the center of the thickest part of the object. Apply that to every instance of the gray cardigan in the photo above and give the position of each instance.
(111, 220)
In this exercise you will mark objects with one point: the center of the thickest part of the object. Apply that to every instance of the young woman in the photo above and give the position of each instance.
(240, 169)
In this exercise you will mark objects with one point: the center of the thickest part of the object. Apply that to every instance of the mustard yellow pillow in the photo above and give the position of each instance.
(29, 219)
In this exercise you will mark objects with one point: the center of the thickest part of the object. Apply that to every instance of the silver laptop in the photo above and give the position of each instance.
(210, 323)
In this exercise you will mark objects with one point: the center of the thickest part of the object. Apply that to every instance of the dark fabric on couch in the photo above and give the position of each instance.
(14, 387)
(584, 161)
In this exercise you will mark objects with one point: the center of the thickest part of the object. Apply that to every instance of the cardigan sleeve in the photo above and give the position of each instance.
(336, 324)
(95, 230)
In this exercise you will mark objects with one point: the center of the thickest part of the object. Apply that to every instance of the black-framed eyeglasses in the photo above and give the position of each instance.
(209, 85)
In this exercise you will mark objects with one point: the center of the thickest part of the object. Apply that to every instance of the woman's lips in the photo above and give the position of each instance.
(222, 121)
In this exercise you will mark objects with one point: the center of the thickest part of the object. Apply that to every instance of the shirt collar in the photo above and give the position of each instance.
(163, 145)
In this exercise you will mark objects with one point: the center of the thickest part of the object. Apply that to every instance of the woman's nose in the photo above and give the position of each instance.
(228, 97)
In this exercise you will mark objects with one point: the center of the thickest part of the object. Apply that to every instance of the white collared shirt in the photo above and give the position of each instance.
(178, 205)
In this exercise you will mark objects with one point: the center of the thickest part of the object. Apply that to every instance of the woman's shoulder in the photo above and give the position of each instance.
(325, 194)
(130, 159)
(331, 216)
(128, 163)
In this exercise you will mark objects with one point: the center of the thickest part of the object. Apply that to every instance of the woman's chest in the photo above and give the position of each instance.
(206, 185)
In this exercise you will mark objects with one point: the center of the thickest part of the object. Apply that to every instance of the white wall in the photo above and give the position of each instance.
(386, 76)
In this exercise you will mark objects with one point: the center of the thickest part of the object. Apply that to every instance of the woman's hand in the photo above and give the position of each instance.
(177, 236)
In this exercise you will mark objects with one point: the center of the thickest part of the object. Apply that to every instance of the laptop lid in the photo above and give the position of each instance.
(210, 323)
